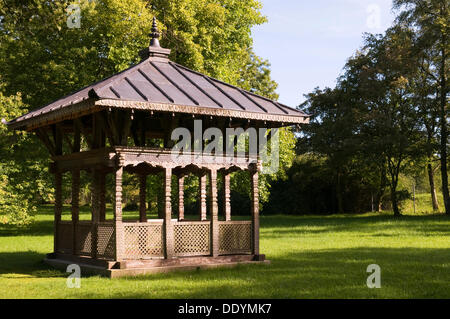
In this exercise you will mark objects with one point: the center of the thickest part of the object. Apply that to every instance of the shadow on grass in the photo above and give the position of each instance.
(37, 228)
(26, 263)
(406, 273)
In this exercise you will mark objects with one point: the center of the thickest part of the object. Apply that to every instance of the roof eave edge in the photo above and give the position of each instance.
(64, 113)
(196, 110)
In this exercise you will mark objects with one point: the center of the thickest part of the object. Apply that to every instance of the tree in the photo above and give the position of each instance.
(428, 111)
(16, 190)
(43, 59)
(393, 125)
(430, 20)
(332, 132)
(369, 120)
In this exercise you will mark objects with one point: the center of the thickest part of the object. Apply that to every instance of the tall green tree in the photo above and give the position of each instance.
(424, 98)
(331, 133)
(17, 185)
(391, 125)
(430, 20)
(44, 59)
(369, 120)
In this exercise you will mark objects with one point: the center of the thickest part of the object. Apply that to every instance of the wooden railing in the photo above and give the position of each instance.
(143, 240)
(235, 237)
(146, 240)
(192, 238)
(82, 237)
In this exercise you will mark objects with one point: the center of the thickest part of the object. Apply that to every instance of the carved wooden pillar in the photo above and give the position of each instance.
(117, 207)
(142, 198)
(168, 226)
(58, 208)
(57, 136)
(255, 211)
(226, 200)
(214, 214)
(181, 197)
(102, 196)
(202, 191)
(76, 147)
(95, 191)
(75, 208)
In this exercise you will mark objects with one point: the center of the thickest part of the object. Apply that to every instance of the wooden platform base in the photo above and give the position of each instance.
(132, 268)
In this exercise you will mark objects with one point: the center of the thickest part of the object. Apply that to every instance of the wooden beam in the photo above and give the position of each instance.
(181, 197)
(135, 134)
(168, 226)
(126, 128)
(112, 128)
(58, 209)
(117, 207)
(142, 198)
(58, 138)
(169, 123)
(95, 211)
(214, 213)
(43, 136)
(142, 130)
(83, 129)
(75, 208)
(227, 197)
(202, 191)
(255, 211)
(102, 194)
(68, 141)
(76, 146)
(98, 135)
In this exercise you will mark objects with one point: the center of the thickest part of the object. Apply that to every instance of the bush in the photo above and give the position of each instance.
(14, 209)
(131, 207)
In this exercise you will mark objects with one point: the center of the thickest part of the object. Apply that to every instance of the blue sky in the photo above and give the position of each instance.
(308, 42)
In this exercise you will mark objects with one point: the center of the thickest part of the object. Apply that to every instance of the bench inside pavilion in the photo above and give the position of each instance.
(117, 118)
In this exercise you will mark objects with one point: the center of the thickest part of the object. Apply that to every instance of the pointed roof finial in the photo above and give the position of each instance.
(155, 50)
(154, 34)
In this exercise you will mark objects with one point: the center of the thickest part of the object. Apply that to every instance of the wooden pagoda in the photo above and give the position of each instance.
(117, 118)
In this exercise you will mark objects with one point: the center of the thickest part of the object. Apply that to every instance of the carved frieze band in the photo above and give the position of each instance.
(76, 110)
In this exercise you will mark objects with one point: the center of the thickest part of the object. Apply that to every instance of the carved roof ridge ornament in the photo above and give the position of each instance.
(155, 50)
(154, 42)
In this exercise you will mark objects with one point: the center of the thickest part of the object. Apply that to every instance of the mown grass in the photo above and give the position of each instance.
(312, 257)
(423, 204)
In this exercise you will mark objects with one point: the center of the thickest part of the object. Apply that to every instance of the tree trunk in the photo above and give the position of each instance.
(340, 200)
(395, 201)
(381, 190)
(432, 187)
(444, 137)
(443, 111)
(394, 173)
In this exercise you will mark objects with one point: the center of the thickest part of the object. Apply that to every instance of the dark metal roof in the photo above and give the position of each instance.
(157, 80)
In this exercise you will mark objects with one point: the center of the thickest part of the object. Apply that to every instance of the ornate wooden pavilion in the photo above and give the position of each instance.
(117, 118)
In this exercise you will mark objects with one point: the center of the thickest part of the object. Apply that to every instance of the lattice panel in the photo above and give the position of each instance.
(84, 239)
(235, 238)
(192, 239)
(106, 241)
(64, 238)
(143, 241)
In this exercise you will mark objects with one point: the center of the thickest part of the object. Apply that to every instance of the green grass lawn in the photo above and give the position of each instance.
(312, 257)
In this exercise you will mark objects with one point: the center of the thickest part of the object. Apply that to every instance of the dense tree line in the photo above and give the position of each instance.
(386, 117)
